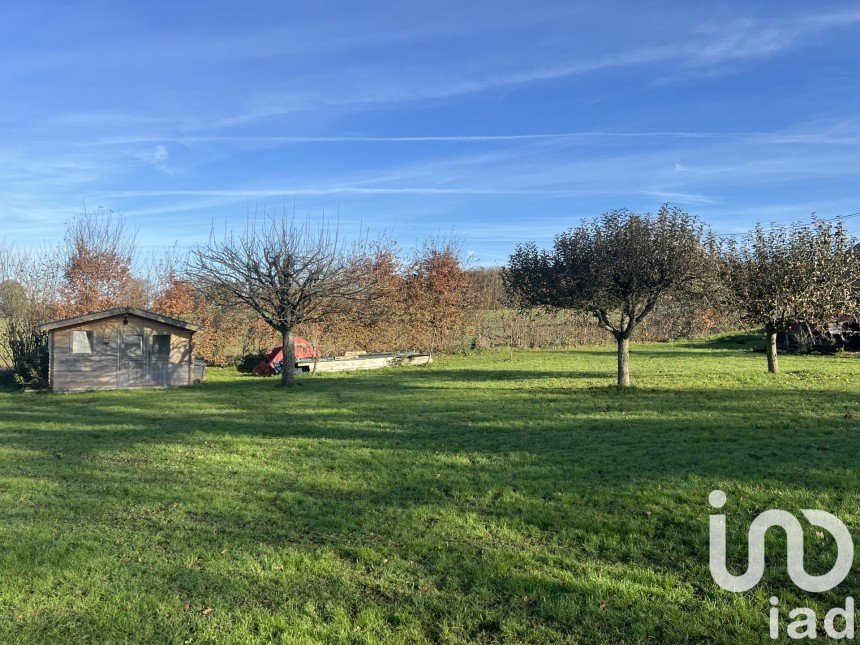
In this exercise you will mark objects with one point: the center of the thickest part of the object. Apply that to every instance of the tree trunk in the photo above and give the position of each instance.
(623, 361)
(770, 346)
(289, 349)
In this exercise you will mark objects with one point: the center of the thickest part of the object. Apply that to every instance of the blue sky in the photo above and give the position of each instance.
(501, 121)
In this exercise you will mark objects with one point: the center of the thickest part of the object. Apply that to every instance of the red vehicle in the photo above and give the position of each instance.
(273, 361)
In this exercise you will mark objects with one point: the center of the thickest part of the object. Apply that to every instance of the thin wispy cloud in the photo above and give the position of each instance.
(703, 47)
(731, 42)
(408, 139)
(766, 137)
(157, 157)
(492, 119)
(286, 191)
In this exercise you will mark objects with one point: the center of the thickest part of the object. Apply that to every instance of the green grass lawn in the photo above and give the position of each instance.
(491, 497)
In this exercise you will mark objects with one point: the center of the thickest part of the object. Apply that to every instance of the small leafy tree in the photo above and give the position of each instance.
(99, 253)
(784, 274)
(175, 297)
(290, 273)
(436, 289)
(373, 322)
(617, 268)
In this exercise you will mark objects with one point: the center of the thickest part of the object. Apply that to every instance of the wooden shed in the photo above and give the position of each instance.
(120, 348)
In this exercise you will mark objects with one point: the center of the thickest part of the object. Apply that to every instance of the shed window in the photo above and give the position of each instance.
(132, 346)
(161, 345)
(82, 342)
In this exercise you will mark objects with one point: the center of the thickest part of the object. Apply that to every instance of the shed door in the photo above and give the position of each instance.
(132, 359)
(159, 359)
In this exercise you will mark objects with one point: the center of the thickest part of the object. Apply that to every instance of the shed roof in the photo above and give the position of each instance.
(119, 311)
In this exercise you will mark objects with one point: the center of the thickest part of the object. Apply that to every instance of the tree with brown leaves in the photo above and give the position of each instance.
(99, 252)
(436, 290)
(373, 323)
(176, 297)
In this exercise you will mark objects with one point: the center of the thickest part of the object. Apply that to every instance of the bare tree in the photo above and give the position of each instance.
(289, 272)
(28, 298)
(616, 268)
(801, 272)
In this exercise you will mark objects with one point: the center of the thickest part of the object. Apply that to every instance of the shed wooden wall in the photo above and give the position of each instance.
(104, 368)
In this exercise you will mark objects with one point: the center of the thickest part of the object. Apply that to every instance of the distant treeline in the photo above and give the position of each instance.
(654, 275)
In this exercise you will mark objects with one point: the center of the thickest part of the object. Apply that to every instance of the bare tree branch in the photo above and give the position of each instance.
(289, 272)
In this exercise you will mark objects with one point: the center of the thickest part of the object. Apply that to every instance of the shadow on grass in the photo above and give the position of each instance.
(485, 486)
(745, 340)
(635, 434)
